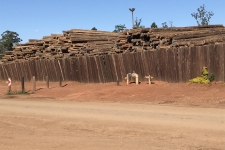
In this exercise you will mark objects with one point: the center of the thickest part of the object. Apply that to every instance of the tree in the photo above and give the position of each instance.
(8, 40)
(202, 16)
(171, 24)
(137, 23)
(119, 28)
(93, 28)
(164, 25)
(154, 25)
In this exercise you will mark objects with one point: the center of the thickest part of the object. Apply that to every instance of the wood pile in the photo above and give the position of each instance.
(71, 43)
(76, 42)
(139, 39)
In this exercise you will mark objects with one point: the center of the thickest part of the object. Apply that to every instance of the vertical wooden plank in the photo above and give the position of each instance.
(74, 69)
(31, 68)
(152, 64)
(53, 70)
(157, 65)
(86, 69)
(169, 63)
(55, 73)
(180, 64)
(108, 69)
(161, 64)
(66, 69)
(99, 69)
(176, 65)
(1, 72)
(94, 70)
(145, 64)
(223, 57)
(122, 67)
(57, 69)
(130, 62)
(141, 66)
(193, 70)
(17, 71)
(115, 59)
(29, 65)
(113, 69)
(36, 70)
(79, 65)
(4, 73)
(217, 62)
(12, 71)
(221, 62)
(126, 67)
(137, 65)
(187, 64)
(212, 59)
(89, 68)
(83, 68)
(173, 65)
(199, 60)
(42, 68)
(103, 68)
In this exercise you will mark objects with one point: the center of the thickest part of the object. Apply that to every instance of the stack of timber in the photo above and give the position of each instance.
(72, 43)
(76, 42)
(140, 39)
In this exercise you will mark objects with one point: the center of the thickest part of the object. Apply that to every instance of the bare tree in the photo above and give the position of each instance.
(202, 16)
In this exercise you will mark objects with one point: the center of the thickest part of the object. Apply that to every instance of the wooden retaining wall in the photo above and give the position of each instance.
(173, 65)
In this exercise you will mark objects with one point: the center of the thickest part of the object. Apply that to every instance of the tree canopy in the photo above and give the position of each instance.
(202, 16)
(164, 25)
(154, 25)
(93, 28)
(119, 28)
(8, 40)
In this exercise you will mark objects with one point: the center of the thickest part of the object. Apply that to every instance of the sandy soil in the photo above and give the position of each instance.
(162, 93)
(106, 116)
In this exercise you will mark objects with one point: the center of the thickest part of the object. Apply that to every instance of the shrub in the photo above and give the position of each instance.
(205, 77)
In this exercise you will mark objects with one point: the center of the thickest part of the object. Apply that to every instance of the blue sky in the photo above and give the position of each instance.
(33, 19)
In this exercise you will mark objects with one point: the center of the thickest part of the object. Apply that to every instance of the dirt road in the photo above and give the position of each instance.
(45, 124)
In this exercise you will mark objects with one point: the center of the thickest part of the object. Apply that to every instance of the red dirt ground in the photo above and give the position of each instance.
(158, 93)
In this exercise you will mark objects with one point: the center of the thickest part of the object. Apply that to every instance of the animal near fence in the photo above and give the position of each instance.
(172, 65)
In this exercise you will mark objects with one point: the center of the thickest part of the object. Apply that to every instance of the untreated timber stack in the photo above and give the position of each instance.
(71, 43)
(140, 39)
(75, 42)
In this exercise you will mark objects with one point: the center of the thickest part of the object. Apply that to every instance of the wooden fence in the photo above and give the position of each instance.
(173, 65)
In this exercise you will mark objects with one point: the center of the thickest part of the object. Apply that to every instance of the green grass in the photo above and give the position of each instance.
(17, 93)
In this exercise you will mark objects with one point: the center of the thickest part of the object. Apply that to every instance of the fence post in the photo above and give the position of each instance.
(22, 84)
(60, 81)
(9, 85)
(127, 79)
(118, 82)
(47, 81)
(34, 84)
